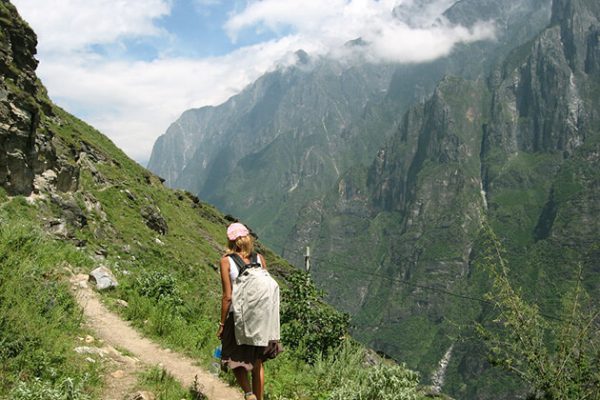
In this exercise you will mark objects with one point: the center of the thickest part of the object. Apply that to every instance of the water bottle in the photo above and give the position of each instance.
(216, 364)
(217, 352)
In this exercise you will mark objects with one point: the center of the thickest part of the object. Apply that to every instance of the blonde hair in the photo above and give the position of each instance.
(243, 245)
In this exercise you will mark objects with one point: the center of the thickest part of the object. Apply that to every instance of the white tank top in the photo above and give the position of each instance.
(233, 269)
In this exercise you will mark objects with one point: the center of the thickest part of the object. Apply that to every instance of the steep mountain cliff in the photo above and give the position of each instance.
(282, 140)
(26, 147)
(520, 151)
(287, 138)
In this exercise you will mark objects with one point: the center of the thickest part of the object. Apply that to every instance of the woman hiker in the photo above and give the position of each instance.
(249, 327)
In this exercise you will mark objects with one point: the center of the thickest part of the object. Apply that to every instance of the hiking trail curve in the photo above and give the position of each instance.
(120, 334)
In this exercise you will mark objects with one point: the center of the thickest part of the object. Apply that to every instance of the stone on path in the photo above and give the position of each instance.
(103, 278)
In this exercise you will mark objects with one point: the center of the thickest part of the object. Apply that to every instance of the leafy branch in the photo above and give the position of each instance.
(558, 357)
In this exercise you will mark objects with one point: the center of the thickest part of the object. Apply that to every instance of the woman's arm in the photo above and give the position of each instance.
(226, 298)
(262, 261)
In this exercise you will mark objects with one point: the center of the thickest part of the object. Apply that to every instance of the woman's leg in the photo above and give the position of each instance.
(258, 379)
(241, 375)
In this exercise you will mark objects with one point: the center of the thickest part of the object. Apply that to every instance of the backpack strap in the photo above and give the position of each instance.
(242, 266)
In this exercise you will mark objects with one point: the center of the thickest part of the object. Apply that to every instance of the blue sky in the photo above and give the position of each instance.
(131, 67)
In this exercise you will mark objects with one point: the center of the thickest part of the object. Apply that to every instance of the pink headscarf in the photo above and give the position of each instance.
(236, 230)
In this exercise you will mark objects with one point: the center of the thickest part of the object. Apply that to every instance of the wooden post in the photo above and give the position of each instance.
(307, 259)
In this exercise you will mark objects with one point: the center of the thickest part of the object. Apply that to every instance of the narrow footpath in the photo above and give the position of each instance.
(119, 334)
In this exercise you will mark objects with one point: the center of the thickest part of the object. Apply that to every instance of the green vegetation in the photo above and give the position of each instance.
(41, 363)
(39, 319)
(558, 357)
(158, 381)
(307, 321)
(65, 389)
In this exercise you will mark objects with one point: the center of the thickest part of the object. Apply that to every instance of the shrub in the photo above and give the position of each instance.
(307, 321)
(159, 286)
(382, 382)
(558, 357)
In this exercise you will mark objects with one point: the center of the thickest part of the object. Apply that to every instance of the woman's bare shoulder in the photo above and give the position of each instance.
(225, 259)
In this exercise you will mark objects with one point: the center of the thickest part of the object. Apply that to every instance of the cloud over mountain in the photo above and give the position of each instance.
(116, 63)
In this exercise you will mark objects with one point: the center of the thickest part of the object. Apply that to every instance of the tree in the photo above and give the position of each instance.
(558, 357)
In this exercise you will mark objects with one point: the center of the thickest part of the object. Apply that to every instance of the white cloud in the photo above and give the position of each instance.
(69, 25)
(423, 36)
(133, 102)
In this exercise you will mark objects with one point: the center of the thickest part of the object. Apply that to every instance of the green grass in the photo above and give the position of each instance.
(159, 382)
(39, 319)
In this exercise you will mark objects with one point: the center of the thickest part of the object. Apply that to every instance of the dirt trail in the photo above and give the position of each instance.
(118, 333)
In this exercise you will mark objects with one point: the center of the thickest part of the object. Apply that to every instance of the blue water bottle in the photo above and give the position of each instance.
(216, 364)
(217, 352)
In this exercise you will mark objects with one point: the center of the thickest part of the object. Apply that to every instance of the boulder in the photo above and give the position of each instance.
(154, 220)
(103, 278)
(58, 227)
(70, 210)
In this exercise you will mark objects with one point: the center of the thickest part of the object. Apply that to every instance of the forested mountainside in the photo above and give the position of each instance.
(287, 138)
(518, 150)
(71, 201)
(510, 138)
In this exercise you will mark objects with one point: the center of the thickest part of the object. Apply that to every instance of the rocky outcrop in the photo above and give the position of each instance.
(154, 220)
(26, 147)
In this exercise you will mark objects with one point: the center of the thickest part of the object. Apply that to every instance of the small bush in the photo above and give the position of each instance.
(307, 321)
(159, 286)
(161, 383)
(382, 382)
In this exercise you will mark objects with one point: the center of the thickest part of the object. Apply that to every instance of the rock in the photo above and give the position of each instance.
(68, 178)
(71, 211)
(129, 195)
(143, 395)
(122, 303)
(25, 142)
(46, 182)
(58, 227)
(103, 278)
(90, 350)
(100, 253)
(118, 374)
(154, 220)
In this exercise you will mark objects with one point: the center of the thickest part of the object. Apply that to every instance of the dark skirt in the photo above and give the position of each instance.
(245, 356)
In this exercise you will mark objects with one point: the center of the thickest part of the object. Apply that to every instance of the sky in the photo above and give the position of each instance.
(131, 67)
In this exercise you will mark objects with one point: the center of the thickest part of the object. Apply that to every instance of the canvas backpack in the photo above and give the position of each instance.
(255, 303)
